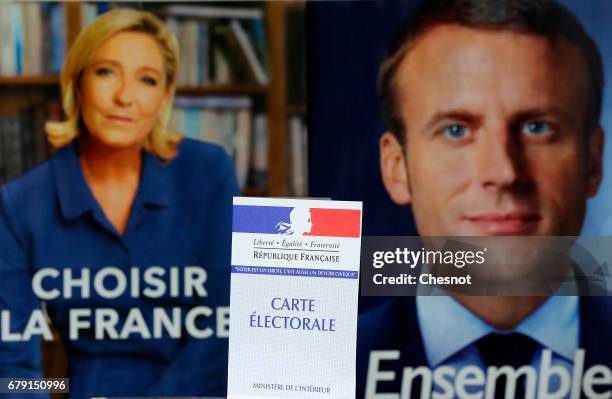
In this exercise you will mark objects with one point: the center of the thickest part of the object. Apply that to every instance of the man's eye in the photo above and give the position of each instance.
(149, 81)
(456, 131)
(104, 71)
(536, 128)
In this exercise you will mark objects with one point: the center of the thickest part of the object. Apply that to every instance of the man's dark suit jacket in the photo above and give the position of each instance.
(393, 325)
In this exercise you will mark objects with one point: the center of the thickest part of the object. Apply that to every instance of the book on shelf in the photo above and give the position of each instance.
(226, 121)
(220, 72)
(189, 48)
(32, 38)
(298, 157)
(22, 139)
(296, 56)
(258, 174)
(8, 52)
(256, 31)
(57, 21)
(210, 12)
(256, 67)
(218, 44)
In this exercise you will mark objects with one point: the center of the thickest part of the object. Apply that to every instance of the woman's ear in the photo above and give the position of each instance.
(394, 170)
(77, 87)
(77, 93)
(168, 96)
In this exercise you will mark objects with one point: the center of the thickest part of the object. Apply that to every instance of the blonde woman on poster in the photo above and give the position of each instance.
(124, 233)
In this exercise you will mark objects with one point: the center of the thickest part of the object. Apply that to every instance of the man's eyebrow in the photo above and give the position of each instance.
(461, 115)
(537, 112)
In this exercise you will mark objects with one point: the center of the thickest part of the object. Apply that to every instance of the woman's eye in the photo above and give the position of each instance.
(456, 132)
(104, 71)
(149, 81)
(536, 128)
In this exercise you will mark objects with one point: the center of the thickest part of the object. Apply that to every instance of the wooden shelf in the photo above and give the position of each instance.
(43, 80)
(255, 192)
(223, 89)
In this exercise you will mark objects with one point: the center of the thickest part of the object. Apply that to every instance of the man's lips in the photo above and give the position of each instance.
(505, 223)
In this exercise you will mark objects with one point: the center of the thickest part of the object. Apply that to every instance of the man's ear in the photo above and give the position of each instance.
(393, 169)
(595, 147)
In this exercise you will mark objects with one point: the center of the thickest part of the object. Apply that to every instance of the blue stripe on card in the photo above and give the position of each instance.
(259, 219)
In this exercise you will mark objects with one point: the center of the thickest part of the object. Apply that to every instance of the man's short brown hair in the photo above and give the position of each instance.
(545, 18)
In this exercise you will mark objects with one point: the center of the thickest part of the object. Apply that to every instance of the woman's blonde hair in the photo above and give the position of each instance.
(161, 142)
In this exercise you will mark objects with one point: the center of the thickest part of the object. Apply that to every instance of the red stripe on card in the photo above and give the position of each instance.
(335, 222)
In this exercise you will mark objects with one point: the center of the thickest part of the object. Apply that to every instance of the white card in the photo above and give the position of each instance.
(293, 309)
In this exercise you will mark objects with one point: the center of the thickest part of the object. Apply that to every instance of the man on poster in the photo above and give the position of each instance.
(492, 113)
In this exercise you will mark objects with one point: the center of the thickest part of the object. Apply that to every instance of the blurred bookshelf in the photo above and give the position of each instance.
(232, 52)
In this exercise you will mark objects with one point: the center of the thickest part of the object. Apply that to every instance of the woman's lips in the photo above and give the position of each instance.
(506, 223)
(124, 120)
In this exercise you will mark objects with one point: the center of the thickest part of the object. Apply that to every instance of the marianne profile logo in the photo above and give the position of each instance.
(300, 222)
(297, 221)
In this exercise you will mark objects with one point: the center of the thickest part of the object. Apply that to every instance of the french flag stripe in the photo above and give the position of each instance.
(335, 222)
(326, 222)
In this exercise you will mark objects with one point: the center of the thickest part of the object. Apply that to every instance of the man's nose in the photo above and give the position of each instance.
(500, 161)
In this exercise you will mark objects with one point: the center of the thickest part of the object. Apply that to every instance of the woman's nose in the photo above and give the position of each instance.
(124, 94)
